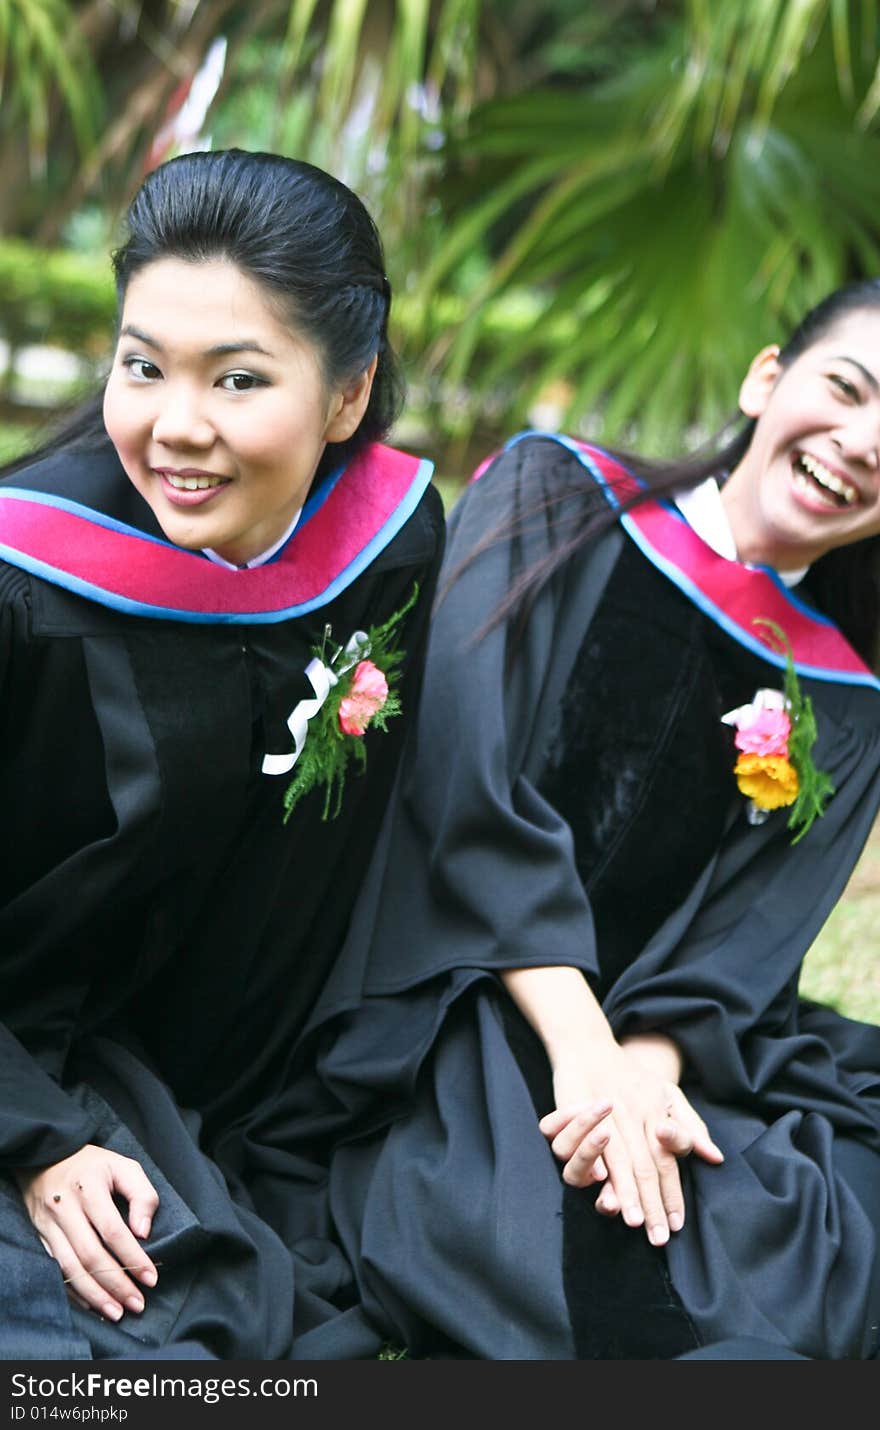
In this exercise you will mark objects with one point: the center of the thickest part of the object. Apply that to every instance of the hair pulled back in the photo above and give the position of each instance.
(307, 241)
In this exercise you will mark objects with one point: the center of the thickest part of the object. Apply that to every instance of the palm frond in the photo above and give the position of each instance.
(677, 231)
(421, 48)
(41, 51)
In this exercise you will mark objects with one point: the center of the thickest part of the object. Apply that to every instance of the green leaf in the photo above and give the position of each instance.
(328, 750)
(814, 785)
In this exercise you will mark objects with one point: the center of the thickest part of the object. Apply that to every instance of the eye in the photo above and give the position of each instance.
(141, 369)
(241, 382)
(846, 388)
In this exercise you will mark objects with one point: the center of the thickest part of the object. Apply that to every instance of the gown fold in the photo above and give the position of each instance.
(564, 807)
(164, 934)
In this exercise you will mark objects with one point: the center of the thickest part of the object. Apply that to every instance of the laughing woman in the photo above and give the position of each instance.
(207, 595)
(648, 757)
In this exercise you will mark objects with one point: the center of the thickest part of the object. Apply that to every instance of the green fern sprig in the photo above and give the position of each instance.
(328, 750)
(814, 785)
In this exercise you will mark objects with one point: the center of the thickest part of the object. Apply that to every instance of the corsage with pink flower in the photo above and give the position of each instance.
(775, 734)
(355, 690)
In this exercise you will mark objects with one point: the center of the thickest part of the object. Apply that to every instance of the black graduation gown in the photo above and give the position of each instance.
(163, 933)
(442, 1191)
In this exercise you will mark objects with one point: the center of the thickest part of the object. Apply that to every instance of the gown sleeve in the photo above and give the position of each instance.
(476, 866)
(476, 870)
(721, 974)
(39, 1123)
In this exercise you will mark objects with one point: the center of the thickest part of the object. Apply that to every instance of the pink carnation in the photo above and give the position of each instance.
(763, 732)
(368, 693)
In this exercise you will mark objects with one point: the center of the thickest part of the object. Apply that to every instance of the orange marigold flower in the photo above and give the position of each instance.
(770, 780)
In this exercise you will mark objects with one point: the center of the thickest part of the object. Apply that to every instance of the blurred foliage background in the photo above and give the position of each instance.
(594, 211)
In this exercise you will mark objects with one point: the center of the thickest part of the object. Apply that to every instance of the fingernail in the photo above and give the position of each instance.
(134, 1303)
(148, 1276)
(111, 1311)
(144, 1228)
(633, 1216)
(719, 1151)
(658, 1235)
(676, 1221)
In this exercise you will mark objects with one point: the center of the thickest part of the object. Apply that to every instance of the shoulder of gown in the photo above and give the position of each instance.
(475, 864)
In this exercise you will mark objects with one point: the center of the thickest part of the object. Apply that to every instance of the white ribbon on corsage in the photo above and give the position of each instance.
(322, 678)
(764, 699)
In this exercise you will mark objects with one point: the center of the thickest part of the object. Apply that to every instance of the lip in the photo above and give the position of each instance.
(189, 498)
(817, 504)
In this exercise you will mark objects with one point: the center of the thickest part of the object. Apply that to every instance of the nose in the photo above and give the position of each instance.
(858, 439)
(180, 421)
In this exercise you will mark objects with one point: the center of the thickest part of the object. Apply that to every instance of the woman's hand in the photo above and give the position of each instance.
(650, 1123)
(71, 1205)
(681, 1130)
(578, 1134)
(650, 1126)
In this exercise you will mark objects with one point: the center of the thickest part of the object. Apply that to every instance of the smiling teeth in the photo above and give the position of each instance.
(193, 484)
(827, 479)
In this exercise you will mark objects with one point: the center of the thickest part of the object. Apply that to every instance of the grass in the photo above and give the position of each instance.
(15, 439)
(842, 968)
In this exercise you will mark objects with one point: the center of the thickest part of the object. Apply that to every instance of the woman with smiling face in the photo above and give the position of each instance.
(807, 483)
(225, 459)
(213, 599)
(612, 1128)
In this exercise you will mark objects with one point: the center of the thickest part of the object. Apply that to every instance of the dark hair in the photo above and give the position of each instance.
(303, 236)
(844, 583)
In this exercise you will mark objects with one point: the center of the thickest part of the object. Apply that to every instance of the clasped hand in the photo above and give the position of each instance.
(628, 1132)
(71, 1205)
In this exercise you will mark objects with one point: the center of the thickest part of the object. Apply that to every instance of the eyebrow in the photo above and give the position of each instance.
(243, 345)
(866, 372)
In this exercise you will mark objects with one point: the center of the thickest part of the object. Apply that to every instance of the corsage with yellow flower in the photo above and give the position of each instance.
(355, 689)
(775, 734)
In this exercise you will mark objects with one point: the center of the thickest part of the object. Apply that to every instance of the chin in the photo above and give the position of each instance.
(185, 538)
